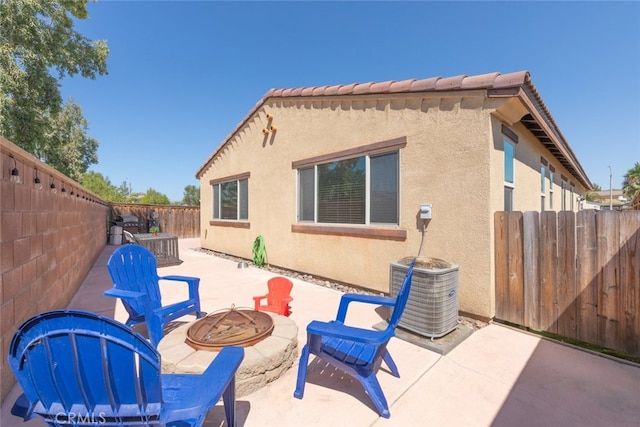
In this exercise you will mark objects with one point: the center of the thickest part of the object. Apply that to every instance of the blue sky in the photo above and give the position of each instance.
(183, 74)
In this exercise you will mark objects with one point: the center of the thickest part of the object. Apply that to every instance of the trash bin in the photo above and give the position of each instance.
(115, 235)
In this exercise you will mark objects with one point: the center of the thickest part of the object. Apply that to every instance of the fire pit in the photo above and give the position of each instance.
(230, 327)
(267, 354)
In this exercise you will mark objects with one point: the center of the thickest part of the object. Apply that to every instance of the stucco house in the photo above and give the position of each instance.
(333, 177)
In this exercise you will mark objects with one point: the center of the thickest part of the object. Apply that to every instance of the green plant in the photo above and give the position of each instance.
(154, 229)
(259, 252)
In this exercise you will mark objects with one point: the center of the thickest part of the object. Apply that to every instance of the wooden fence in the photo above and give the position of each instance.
(179, 220)
(571, 274)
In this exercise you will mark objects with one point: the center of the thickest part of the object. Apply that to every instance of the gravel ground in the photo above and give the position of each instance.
(473, 323)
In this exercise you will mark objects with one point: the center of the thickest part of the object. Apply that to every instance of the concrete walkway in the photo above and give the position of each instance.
(496, 377)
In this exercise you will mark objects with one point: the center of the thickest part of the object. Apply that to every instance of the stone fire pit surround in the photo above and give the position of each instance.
(263, 362)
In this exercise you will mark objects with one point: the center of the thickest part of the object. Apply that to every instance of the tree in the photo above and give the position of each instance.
(101, 185)
(69, 149)
(153, 197)
(36, 39)
(631, 183)
(191, 195)
(592, 196)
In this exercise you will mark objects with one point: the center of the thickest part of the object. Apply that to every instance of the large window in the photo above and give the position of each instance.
(509, 178)
(231, 199)
(358, 190)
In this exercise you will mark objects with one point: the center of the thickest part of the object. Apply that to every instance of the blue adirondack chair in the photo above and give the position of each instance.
(356, 351)
(135, 279)
(78, 368)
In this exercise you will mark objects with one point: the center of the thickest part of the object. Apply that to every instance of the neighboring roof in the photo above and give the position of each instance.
(519, 83)
(612, 197)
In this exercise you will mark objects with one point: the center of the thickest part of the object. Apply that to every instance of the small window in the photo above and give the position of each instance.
(543, 179)
(231, 199)
(551, 189)
(508, 199)
(509, 155)
(572, 190)
(509, 178)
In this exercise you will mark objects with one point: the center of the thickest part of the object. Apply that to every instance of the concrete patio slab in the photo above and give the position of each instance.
(497, 376)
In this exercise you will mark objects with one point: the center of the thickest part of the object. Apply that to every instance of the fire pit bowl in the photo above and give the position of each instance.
(239, 327)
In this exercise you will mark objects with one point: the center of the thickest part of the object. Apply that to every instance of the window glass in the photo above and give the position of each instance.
(229, 200)
(508, 161)
(543, 178)
(572, 196)
(341, 192)
(508, 199)
(216, 201)
(384, 188)
(550, 190)
(244, 199)
(306, 188)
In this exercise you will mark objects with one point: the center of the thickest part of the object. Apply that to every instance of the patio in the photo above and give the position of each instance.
(498, 376)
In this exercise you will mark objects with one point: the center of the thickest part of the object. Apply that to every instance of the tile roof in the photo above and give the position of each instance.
(510, 84)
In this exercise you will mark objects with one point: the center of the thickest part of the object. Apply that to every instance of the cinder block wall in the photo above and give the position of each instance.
(48, 243)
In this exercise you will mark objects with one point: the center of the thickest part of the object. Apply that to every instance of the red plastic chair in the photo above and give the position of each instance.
(278, 298)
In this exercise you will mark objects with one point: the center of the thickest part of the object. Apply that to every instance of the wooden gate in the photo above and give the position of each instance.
(571, 274)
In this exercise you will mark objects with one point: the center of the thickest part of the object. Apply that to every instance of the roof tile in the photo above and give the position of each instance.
(511, 79)
(450, 83)
(424, 84)
(480, 81)
(332, 90)
(318, 90)
(382, 87)
(362, 88)
(401, 86)
(307, 91)
(346, 89)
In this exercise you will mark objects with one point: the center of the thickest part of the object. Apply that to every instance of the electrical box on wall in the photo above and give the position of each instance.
(425, 211)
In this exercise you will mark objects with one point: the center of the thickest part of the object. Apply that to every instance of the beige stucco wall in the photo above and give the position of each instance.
(527, 194)
(451, 160)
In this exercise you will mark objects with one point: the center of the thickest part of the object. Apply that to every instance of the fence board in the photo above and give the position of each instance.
(608, 286)
(181, 221)
(629, 257)
(566, 274)
(515, 284)
(548, 264)
(587, 276)
(531, 269)
(500, 260)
